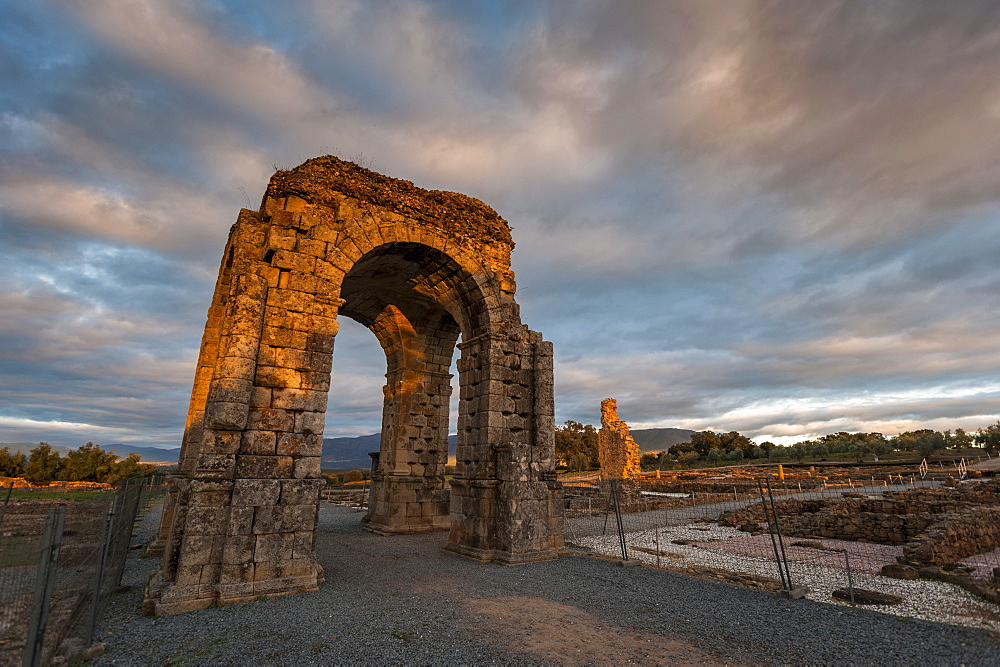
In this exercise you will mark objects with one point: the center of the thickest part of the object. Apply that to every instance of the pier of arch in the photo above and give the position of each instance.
(422, 270)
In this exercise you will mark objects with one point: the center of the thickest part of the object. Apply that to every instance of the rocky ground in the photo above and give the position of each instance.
(399, 600)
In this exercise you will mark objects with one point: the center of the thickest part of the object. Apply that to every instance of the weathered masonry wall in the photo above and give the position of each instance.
(422, 270)
(617, 451)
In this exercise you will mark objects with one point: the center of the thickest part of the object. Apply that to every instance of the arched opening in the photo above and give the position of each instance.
(415, 299)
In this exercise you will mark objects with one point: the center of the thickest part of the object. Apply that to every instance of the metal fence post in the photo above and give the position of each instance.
(109, 514)
(618, 519)
(781, 541)
(774, 544)
(44, 584)
(850, 579)
(6, 500)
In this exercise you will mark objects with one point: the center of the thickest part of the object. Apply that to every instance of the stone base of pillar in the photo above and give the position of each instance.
(506, 522)
(167, 599)
(404, 504)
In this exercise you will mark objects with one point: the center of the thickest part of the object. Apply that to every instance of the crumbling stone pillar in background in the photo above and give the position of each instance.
(422, 270)
(616, 449)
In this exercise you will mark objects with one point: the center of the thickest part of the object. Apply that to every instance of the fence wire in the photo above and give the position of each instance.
(787, 534)
(60, 563)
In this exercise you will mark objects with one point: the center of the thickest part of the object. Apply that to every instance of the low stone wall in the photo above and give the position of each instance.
(863, 526)
(956, 536)
(937, 526)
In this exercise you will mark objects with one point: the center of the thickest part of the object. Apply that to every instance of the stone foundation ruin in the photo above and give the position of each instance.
(936, 527)
(422, 270)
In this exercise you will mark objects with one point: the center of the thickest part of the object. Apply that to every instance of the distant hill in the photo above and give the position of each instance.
(147, 454)
(659, 439)
(351, 453)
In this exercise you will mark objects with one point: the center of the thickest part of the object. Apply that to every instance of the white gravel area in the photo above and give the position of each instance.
(714, 546)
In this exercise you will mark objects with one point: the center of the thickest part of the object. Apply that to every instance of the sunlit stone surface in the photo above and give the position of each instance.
(420, 269)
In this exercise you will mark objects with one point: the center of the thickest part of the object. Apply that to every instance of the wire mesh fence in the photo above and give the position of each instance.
(832, 539)
(60, 562)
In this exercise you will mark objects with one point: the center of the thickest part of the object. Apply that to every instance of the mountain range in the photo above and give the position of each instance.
(351, 453)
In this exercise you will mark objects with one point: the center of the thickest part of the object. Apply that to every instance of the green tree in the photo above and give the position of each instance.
(989, 437)
(11, 465)
(578, 462)
(90, 463)
(130, 466)
(733, 440)
(44, 465)
(576, 438)
(705, 441)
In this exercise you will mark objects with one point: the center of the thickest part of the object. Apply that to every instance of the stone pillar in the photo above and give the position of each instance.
(409, 494)
(506, 504)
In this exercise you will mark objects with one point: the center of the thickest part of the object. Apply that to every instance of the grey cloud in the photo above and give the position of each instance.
(736, 215)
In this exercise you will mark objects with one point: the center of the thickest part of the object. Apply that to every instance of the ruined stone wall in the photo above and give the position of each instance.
(956, 536)
(936, 526)
(616, 449)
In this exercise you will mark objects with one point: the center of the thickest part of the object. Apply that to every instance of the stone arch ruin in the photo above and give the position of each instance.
(422, 270)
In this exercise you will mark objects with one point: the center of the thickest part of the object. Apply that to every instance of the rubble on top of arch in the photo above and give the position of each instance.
(323, 180)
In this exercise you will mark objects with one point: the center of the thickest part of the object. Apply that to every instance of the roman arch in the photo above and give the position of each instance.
(426, 272)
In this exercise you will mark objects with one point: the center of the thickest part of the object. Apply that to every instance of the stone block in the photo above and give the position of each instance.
(289, 260)
(235, 367)
(256, 492)
(274, 548)
(311, 247)
(295, 359)
(237, 572)
(270, 419)
(216, 465)
(267, 520)
(263, 467)
(240, 521)
(278, 377)
(226, 416)
(203, 520)
(220, 442)
(260, 397)
(303, 545)
(301, 491)
(288, 299)
(307, 468)
(258, 442)
(281, 337)
(296, 444)
(196, 550)
(310, 422)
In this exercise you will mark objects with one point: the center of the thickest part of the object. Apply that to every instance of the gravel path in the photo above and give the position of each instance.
(399, 600)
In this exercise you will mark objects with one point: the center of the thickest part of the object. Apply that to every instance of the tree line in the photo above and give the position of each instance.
(88, 463)
(576, 446)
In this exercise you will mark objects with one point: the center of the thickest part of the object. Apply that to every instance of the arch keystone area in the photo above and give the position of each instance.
(427, 272)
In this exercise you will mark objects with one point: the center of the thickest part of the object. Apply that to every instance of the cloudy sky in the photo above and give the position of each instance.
(781, 218)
